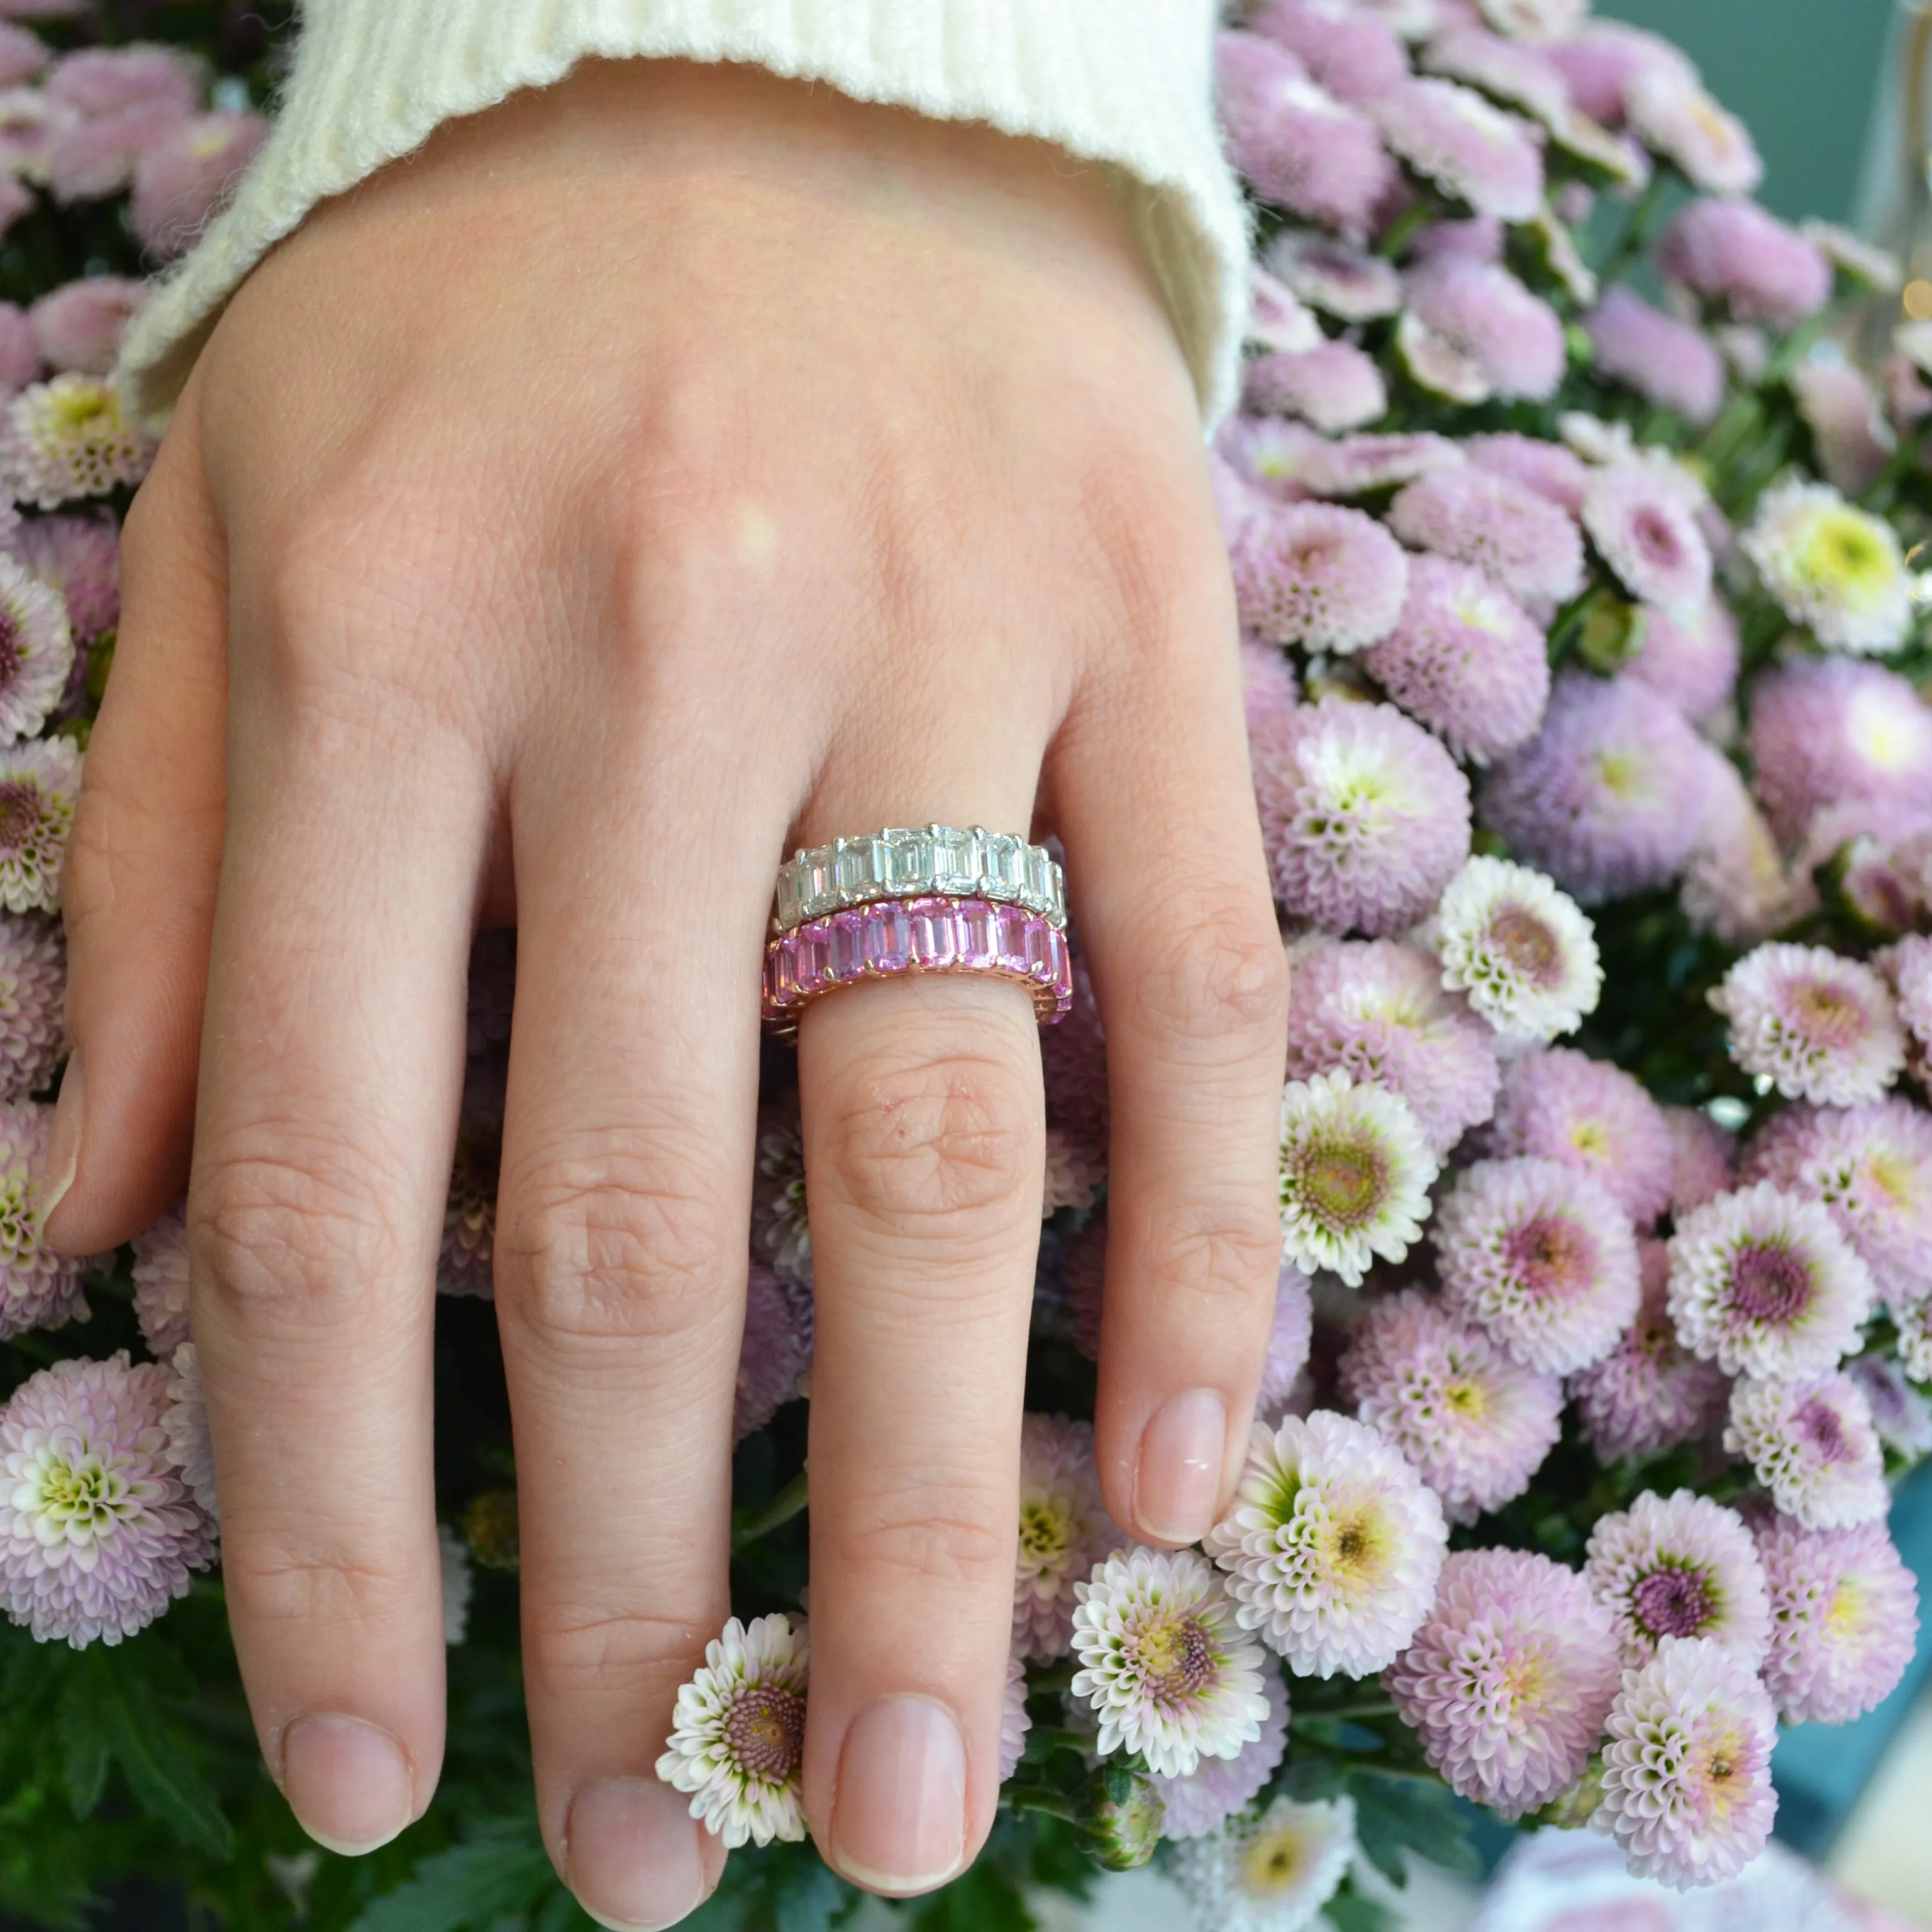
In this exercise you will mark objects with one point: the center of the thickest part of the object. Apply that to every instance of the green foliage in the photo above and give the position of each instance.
(500, 1878)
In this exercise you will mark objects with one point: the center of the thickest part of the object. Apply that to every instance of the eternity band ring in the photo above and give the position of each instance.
(914, 862)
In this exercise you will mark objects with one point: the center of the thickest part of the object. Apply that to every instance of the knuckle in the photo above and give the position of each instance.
(1227, 1257)
(1219, 975)
(591, 1649)
(926, 1537)
(271, 1582)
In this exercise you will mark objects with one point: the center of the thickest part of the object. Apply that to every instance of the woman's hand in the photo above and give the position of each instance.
(652, 475)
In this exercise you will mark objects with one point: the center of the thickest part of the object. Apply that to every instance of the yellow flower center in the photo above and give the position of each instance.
(1467, 1399)
(1274, 1861)
(86, 405)
(1046, 1529)
(81, 1496)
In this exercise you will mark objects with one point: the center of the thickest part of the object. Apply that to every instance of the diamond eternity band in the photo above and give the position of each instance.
(910, 862)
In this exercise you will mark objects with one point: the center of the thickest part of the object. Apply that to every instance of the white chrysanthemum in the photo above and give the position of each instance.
(1762, 1283)
(1831, 566)
(1913, 1318)
(1817, 1025)
(38, 1288)
(738, 1733)
(1683, 1566)
(1272, 1873)
(40, 786)
(1522, 952)
(1355, 1175)
(1812, 1444)
(36, 651)
(67, 439)
(184, 1422)
(459, 1584)
(1064, 1531)
(1164, 1662)
(1333, 1546)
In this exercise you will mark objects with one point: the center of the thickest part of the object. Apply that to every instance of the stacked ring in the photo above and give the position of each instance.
(912, 862)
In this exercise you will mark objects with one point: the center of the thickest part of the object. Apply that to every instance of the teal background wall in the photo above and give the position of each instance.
(1801, 73)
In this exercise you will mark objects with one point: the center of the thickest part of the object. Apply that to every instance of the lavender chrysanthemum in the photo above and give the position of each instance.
(1539, 1257)
(36, 651)
(1466, 658)
(781, 1233)
(1378, 1010)
(1686, 1770)
(80, 559)
(1607, 58)
(1014, 1722)
(33, 989)
(1474, 1424)
(38, 1288)
(1289, 462)
(1277, 317)
(776, 1351)
(180, 179)
(1832, 732)
(1812, 1444)
(1509, 1679)
(40, 786)
(1678, 119)
(1065, 1531)
(160, 1283)
(1912, 1317)
(1510, 341)
(1900, 1414)
(1272, 1873)
(1736, 883)
(1680, 1566)
(1606, 798)
(1817, 1025)
(1525, 541)
(1476, 154)
(1701, 1159)
(1560, 1104)
(1833, 567)
(1350, 52)
(1341, 281)
(1548, 469)
(1334, 385)
(1318, 575)
(1667, 362)
(69, 439)
(1354, 1175)
(1512, 76)
(1738, 253)
(1164, 1662)
(1519, 951)
(1846, 419)
(1691, 660)
(1333, 1547)
(97, 1531)
(1200, 1803)
(1844, 1619)
(466, 1263)
(1289, 1336)
(184, 1422)
(1366, 817)
(1641, 519)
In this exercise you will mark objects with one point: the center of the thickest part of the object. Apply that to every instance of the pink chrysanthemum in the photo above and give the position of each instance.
(1736, 883)
(1871, 1167)
(1738, 253)
(80, 559)
(781, 1233)
(1828, 731)
(97, 1531)
(180, 180)
(466, 1263)
(1844, 1619)
(1277, 318)
(1912, 1317)
(1333, 1546)
(1547, 468)
(33, 987)
(97, 82)
(1906, 965)
(1649, 1393)
(1335, 386)
(1541, 1258)
(1900, 1414)
(1690, 659)
(184, 1422)
(1512, 76)
(1667, 362)
(1350, 52)
(1334, 276)
(1681, 1567)
(1762, 1283)
(38, 1288)
(1812, 1444)
(1560, 1104)
(1475, 153)
(1606, 797)
(1528, 544)
(1200, 1803)
(1316, 574)
(109, 106)
(1065, 1531)
(1678, 119)
(19, 353)
(1521, 951)
(23, 55)
(78, 325)
(1366, 817)
(1465, 659)
(1378, 1009)
(1481, 315)
(1818, 1026)
(1474, 1424)
(1014, 1722)
(1301, 147)
(1846, 419)
(160, 1283)
(1701, 1157)
(36, 651)
(1289, 1337)
(1073, 1054)
(1290, 461)
(1509, 1682)
(1607, 57)
(776, 1351)
(1641, 519)
(67, 439)
(1075, 1170)
(1686, 1768)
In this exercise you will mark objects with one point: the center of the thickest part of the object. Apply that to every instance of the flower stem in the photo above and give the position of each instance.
(748, 1525)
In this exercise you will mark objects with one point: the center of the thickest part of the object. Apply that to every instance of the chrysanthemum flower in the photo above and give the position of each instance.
(1831, 733)
(781, 1234)
(36, 651)
(1465, 659)
(80, 559)
(69, 438)
(1065, 1531)
(459, 1584)
(180, 179)
(465, 1261)
(776, 1351)
(1831, 566)
(160, 1283)
(1539, 21)
(1606, 798)
(184, 1422)
(1812, 1444)
(1518, 950)
(1641, 519)
(1289, 1338)
(1528, 545)
(1667, 362)
(1900, 1414)
(1738, 253)
(1686, 1770)
(1480, 313)
(1509, 1679)
(1335, 386)
(38, 1288)
(1680, 121)
(1334, 276)
(1906, 964)
(1272, 1873)
(1701, 1158)
(1871, 1167)
(1454, 140)
(1350, 52)
(1560, 1104)
(1293, 462)
(1163, 1661)
(1200, 1803)
(78, 325)
(1876, 271)
(1547, 468)
(1378, 1010)
(1014, 1722)
(1333, 1547)
(97, 1532)
(1318, 575)
(1512, 76)
(33, 987)
(1846, 416)
(1539, 1257)
(1692, 660)
(1475, 1425)
(1844, 1619)
(40, 784)
(1277, 319)
(1365, 816)
(1649, 1393)
(1683, 1566)
(1912, 1316)
(1355, 1173)
(1607, 58)
(1817, 1025)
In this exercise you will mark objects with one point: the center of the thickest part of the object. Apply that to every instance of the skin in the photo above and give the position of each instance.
(652, 475)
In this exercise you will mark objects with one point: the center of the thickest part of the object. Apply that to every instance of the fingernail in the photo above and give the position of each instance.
(899, 1823)
(1178, 1485)
(347, 1782)
(61, 1161)
(632, 1854)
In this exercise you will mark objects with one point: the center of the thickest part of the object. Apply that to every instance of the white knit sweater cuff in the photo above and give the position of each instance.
(1124, 82)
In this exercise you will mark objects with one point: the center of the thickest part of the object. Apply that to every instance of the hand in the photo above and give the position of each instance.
(653, 474)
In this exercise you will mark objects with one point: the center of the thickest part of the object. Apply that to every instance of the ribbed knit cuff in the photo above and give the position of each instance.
(1125, 83)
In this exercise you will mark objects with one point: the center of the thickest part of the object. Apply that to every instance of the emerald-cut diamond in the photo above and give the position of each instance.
(821, 889)
(790, 909)
(861, 870)
(1006, 866)
(909, 854)
(955, 859)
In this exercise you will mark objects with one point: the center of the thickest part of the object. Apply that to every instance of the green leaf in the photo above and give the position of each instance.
(154, 1753)
(808, 1898)
(1349, 1911)
(1395, 1816)
(85, 1748)
(476, 1883)
(983, 1899)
